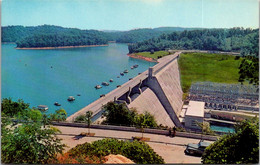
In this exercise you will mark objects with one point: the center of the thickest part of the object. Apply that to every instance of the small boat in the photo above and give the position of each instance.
(135, 66)
(98, 86)
(78, 95)
(71, 98)
(57, 104)
(126, 71)
(130, 78)
(111, 80)
(118, 86)
(139, 73)
(42, 107)
(103, 95)
(105, 83)
(118, 76)
(132, 67)
(122, 74)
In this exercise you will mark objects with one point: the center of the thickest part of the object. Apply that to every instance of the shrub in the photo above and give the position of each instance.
(139, 152)
(120, 114)
(80, 119)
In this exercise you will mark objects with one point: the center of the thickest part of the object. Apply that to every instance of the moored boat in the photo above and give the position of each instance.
(57, 104)
(71, 98)
(105, 83)
(98, 86)
(103, 95)
(111, 80)
(135, 66)
(126, 71)
(42, 107)
(122, 74)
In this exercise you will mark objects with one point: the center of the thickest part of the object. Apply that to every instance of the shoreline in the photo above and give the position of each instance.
(63, 47)
(142, 57)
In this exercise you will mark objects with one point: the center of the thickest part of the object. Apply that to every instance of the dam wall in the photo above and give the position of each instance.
(169, 80)
(148, 101)
(164, 81)
(157, 91)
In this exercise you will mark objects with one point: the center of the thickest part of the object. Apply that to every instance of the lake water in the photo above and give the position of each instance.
(42, 77)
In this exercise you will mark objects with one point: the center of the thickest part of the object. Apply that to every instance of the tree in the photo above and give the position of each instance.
(116, 114)
(29, 143)
(241, 147)
(145, 120)
(80, 119)
(45, 120)
(61, 115)
(205, 128)
(12, 108)
(88, 120)
(120, 114)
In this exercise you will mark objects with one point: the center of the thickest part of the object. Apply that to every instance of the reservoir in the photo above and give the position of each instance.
(43, 77)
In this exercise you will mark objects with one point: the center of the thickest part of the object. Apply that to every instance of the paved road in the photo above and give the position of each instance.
(171, 149)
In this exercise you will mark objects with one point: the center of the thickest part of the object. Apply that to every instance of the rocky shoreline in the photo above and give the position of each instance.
(63, 47)
(142, 57)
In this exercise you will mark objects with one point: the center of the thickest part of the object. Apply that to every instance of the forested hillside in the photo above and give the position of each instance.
(235, 39)
(51, 36)
(139, 35)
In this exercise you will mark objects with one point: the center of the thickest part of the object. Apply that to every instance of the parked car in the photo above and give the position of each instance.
(196, 149)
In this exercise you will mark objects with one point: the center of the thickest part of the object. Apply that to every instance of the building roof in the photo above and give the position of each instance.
(195, 108)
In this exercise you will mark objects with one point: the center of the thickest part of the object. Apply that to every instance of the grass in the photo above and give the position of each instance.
(218, 68)
(155, 55)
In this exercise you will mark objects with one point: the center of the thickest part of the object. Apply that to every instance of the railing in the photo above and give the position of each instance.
(189, 134)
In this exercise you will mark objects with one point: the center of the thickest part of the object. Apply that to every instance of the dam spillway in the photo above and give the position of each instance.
(163, 83)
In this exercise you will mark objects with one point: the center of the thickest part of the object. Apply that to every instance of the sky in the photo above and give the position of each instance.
(131, 14)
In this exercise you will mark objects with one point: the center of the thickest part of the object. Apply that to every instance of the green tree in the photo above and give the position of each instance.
(241, 147)
(205, 128)
(29, 143)
(145, 120)
(12, 108)
(116, 114)
(249, 70)
(61, 115)
(80, 119)
(35, 115)
(45, 120)
(88, 120)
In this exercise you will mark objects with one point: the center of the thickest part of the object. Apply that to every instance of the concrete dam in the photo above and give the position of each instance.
(157, 90)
